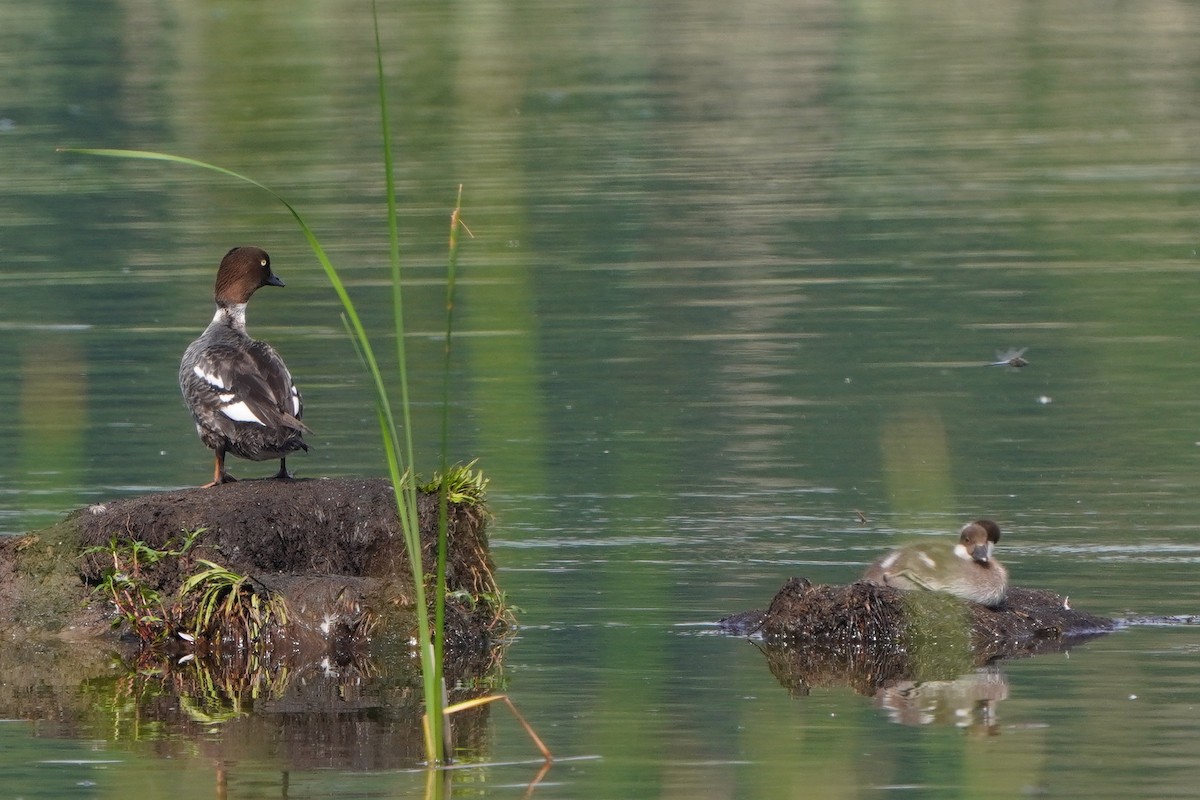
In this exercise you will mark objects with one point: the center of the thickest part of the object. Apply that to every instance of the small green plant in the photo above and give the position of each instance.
(496, 603)
(220, 603)
(124, 584)
(137, 604)
(462, 484)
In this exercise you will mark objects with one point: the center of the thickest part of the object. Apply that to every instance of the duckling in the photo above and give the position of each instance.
(968, 570)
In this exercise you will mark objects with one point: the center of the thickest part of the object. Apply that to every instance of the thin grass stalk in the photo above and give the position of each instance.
(393, 242)
(431, 662)
(443, 489)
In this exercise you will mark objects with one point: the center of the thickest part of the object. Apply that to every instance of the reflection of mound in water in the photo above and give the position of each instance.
(358, 714)
(869, 637)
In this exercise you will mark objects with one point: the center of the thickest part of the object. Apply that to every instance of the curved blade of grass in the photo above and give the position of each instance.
(406, 499)
(331, 273)
(405, 490)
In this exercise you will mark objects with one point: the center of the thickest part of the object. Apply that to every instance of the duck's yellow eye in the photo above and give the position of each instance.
(263, 262)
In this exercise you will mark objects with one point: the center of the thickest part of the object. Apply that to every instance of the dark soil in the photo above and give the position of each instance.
(305, 527)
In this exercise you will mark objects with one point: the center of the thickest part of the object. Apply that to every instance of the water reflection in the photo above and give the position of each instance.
(349, 715)
(708, 234)
(53, 415)
(970, 701)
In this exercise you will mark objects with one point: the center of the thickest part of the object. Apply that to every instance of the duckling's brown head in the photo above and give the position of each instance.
(976, 538)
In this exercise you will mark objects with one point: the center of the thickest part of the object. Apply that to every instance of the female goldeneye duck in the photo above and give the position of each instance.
(967, 570)
(239, 391)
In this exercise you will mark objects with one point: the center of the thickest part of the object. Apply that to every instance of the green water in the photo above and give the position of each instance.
(735, 268)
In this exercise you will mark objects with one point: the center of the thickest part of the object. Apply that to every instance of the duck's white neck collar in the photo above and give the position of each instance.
(231, 314)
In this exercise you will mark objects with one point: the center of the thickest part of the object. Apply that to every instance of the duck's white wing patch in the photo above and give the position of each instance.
(240, 412)
(211, 378)
(295, 401)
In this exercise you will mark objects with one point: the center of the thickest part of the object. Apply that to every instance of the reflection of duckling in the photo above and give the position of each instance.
(969, 701)
(968, 571)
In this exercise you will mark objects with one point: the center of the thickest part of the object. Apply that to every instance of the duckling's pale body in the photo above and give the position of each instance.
(967, 570)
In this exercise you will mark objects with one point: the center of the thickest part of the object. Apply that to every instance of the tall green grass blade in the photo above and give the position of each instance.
(393, 237)
(431, 664)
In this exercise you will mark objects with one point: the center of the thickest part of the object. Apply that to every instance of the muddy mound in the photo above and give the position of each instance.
(302, 564)
(869, 636)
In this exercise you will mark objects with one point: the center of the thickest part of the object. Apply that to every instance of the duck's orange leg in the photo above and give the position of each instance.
(219, 474)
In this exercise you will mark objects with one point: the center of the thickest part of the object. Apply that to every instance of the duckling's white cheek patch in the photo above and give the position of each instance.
(209, 378)
(240, 412)
(962, 552)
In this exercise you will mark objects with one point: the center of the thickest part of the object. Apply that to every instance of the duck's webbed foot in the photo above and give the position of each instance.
(219, 474)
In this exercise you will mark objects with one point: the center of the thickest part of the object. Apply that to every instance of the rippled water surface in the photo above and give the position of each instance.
(735, 273)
